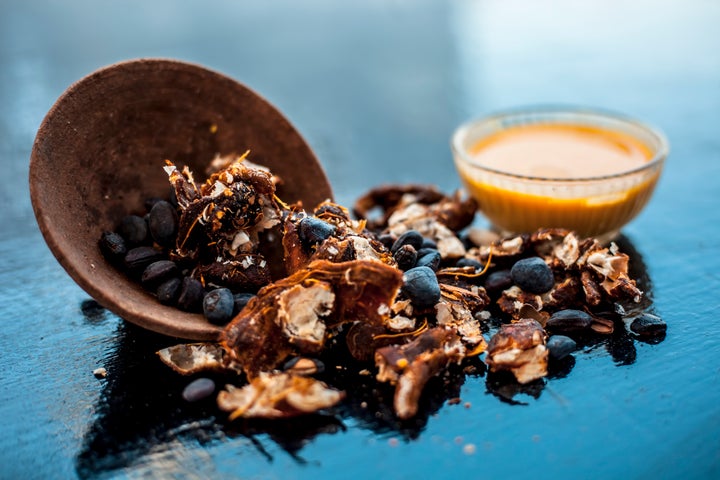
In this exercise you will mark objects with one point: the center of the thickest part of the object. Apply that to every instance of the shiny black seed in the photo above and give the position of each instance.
(112, 246)
(532, 275)
(138, 259)
(430, 259)
(157, 273)
(405, 256)
(560, 346)
(163, 222)
(218, 306)
(313, 231)
(387, 240)
(169, 291)
(428, 243)
(647, 324)
(469, 262)
(198, 389)
(498, 281)
(240, 300)
(568, 321)
(411, 237)
(191, 295)
(420, 286)
(133, 229)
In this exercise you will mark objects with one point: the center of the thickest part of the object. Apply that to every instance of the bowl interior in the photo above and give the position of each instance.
(99, 153)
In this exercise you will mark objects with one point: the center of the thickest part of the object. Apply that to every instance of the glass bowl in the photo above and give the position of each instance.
(591, 205)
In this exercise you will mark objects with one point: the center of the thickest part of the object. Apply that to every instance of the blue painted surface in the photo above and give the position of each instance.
(376, 88)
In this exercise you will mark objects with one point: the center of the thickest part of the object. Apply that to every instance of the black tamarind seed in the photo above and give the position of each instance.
(138, 259)
(134, 229)
(191, 295)
(198, 389)
(568, 321)
(218, 306)
(498, 281)
(163, 222)
(157, 273)
(169, 291)
(112, 246)
(532, 275)
(560, 346)
(411, 237)
(648, 325)
(405, 256)
(313, 231)
(430, 259)
(421, 287)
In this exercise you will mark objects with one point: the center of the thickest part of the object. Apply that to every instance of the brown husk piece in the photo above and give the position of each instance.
(190, 358)
(225, 213)
(410, 366)
(277, 395)
(362, 290)
(520, 348)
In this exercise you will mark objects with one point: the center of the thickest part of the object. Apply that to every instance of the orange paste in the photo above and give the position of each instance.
(560, 152)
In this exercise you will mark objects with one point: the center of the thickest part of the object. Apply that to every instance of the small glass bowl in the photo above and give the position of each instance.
(596, 206)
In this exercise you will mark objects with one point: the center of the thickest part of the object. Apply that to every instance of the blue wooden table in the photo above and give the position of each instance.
(376, 88)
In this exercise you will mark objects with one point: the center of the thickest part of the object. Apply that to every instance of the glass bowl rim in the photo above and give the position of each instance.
(591, 114)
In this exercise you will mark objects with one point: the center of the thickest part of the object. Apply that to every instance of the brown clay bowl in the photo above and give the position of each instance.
(99, 153)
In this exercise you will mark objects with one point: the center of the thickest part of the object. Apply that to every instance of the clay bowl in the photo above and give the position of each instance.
(99, 153)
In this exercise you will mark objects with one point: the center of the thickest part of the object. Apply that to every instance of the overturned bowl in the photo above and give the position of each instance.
(100, 151)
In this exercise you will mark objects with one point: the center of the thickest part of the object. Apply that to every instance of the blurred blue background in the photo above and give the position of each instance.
(376, 88)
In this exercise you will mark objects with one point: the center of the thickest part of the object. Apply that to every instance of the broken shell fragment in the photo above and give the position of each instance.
(410, 366)
(519, 347)
(190, 358)
(277, 395)
(294, 313)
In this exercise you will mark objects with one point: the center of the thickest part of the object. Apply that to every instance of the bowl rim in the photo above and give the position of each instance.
(592, 114)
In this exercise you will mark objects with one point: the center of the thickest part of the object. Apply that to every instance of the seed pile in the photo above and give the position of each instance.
(406, 293)
(200, 253)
